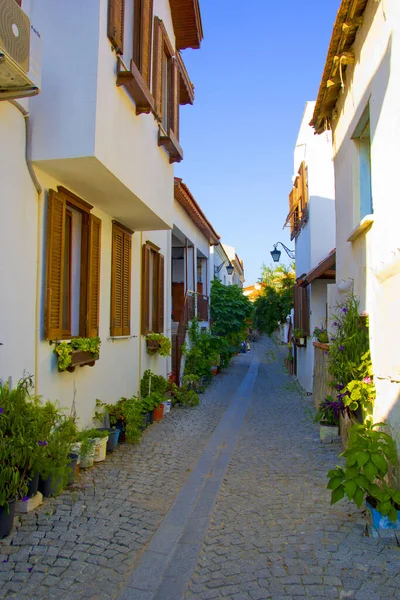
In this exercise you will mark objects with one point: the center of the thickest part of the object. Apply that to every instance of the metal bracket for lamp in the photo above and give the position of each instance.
(229, 269)
(276, 254)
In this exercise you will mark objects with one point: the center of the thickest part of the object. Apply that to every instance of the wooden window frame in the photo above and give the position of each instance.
(154, 288)
(58, 203)
(122, 328)
(163, 48)
(137, 78)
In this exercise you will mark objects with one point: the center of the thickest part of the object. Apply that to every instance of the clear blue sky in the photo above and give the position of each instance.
(259, 63)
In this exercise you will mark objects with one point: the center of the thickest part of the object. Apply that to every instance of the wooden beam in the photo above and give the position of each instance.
(346, 58)
(356, 22)
(333, 81)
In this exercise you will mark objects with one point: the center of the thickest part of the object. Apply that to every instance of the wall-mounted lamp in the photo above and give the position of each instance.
(276, 254)
(229, 269)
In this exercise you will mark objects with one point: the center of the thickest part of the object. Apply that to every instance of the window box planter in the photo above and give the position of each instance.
(152, 346)
(80, 358)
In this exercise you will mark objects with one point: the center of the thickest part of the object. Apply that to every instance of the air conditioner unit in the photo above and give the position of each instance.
(20, 53)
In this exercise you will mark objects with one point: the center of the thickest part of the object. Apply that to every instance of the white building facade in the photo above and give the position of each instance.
(312, 225)
(87, 183)
(362, 110)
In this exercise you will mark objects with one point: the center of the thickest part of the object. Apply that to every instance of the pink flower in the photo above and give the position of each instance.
(367, 380)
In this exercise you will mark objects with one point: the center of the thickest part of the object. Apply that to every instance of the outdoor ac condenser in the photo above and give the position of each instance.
(20, 53)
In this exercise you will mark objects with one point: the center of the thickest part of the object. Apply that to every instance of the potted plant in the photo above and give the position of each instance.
(299, 337)
(87, 449)
(78, 352)
(100, 438)
(327, 416)
(158, 343)
(370, 458)
(321, 335)
(133, 411)
(55, 457)
(113, 415)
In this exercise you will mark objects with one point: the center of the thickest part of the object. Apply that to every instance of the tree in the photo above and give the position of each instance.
(276, 299)
(231, 312)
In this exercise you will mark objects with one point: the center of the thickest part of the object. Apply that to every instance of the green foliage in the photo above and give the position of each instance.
(326, 413)
(276, 299)
(186, 394)
(230, 311)
(164, 343)
(115, 411)
(349, 361)
(64, 350)
(298, 333)
(369, 455)
(203, 351)
(133, 418)
(61, 434)
(151, 382)
(320, 334)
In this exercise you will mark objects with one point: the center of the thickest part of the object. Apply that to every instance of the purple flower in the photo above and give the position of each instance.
(1, 410)
(335, 323)
(326, 351)
(341, 348)
(367, 380)
(344, 309)
(333, 339)
(25, 499)
(30, 569)
(5, 560)
(42, 443)
(339, 386)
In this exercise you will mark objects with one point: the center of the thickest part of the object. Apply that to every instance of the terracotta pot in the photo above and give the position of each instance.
(158, 412)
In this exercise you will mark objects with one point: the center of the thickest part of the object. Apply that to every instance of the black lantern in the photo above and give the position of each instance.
(230, 268)
(276, 254)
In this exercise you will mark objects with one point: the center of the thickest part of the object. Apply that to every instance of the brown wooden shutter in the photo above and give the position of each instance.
(145, 295)
(116, 282)
(146, 39)
(93, 282)
(55, 241)
(297, 307)
(174, 104)
(160, 300)
(126, 285)
(305, 315)
(158, 71)
(115, 31)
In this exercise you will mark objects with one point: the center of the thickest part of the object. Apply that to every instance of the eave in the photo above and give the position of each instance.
(183, 195)
(348, 20)
(326, 269)
(186, 19)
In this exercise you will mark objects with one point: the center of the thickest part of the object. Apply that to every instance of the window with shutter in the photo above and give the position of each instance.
(301, 310)
(121, 280)
(72, 267)
(298, 203)
(152, 296)
(166, 92)
(137, 79)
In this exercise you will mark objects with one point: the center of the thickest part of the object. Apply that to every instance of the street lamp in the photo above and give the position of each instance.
(229, 269)
(276, 254)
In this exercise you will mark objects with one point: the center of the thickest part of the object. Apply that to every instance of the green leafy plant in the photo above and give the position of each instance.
(64, 350)
(185, 395)
(151, 382)
(276, 299)
(164, 344)
(133, 411)
(370, 454)
(114, 411)
(231, 312)
(298, 333)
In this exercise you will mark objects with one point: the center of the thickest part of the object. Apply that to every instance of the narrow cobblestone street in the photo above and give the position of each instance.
(226, 500)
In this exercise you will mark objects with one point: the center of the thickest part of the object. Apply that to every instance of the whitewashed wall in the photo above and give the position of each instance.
(372, 261)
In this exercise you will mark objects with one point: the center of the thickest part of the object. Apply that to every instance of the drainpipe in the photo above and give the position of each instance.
(140, 308)
(39, 190)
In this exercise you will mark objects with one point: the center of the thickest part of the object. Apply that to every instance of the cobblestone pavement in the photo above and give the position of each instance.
(84, 543)
(273, 534)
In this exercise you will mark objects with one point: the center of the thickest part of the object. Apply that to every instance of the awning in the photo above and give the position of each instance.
(326, 269)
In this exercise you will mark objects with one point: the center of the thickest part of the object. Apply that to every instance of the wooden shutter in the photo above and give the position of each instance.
(160, 299)
(301, 312)
(116, 281)
(145, 293)
(126, 285)
(146, 24)
(55, 242)
(158, 71)
(174, 103)
(93, 281)
(115, 31)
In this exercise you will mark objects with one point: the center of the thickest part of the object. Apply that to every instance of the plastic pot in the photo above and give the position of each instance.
(71, 468)
(158, 412)
(100, 449)
(33, 486)
(87, 460)
(54, 484)
(151, 417)
(112, 438)
(7, 518)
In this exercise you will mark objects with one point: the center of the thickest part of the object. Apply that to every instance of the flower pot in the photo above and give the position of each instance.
(100, 449)
(7, 518)
(54, 484)
(71, 468)
(145, 421)
(158, 412)
(377, 524)
(328, 433)
(76, 449)
(116, 437)
(120, 426)
(112, 438)
(167, 406)
(33, 486)
(87, 461)
(151, 417)
(152, 346)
